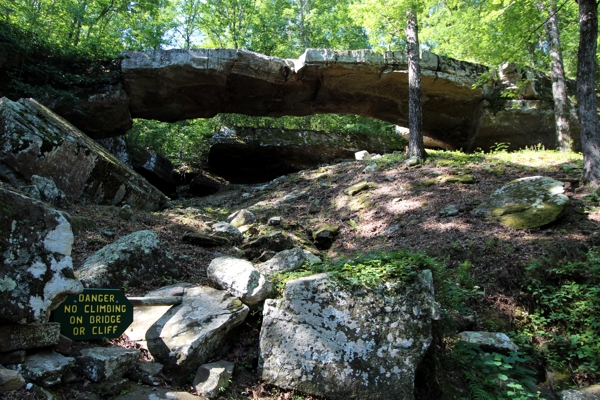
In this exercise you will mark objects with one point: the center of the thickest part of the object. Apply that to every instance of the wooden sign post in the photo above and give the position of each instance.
(94, 314)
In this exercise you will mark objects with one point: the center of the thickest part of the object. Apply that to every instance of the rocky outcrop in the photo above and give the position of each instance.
(35, 254)
(128, 261)
(35, 141)
(526, 203)
(324, 339)
(253, 155)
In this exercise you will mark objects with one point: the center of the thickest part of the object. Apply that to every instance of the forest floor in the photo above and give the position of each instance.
(404, 210)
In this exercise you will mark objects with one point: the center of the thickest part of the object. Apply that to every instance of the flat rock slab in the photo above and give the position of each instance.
(328, 340)
(46, 368)
(189, 334)
(100, 364)
(526, 203)
(25, 337)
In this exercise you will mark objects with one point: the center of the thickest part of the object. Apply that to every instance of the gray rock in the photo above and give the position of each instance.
(100, 364)
(489, 341)
(46, 368)
(293, 196)
(154, 167)
(14, 357)
(274, 221)
(111, 387)
(129, 260)
(586, 393)
(177, 289)
(35, 251)
(35, 141)
(276, 242)
(229, 231)
(213, 378)
(328, 340)
(117, 146)
(137, 392)
(25, 337)
(284, 261)
(205, 240)
(324, 235)
(48, 190)
(357, 188)
(189, 334)
(241, 218)
(147, 372)
(10, 380)
(362, 155)
(449, 211)
(526, 203)
(125, 213)
(369, 169)
(240, 279)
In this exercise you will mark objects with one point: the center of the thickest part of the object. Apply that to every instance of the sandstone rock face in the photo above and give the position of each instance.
(35, 251)
(526, 203)
(172, 85)
(327, 340)
(189, 334)
(129, 260)
(35, 141)
(252, 155)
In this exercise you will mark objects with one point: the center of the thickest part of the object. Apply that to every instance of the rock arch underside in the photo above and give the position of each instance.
(172, 85)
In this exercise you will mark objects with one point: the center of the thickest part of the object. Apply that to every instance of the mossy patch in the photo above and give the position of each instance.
(360, 203)
(532, 217)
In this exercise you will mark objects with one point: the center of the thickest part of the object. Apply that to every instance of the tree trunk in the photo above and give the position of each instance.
(416, 149)
(559, 86)
(586, 93)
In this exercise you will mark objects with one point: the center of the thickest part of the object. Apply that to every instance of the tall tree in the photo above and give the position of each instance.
(586, 90)
(416, 148)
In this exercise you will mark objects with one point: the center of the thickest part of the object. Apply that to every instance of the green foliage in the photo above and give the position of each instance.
(563, 323)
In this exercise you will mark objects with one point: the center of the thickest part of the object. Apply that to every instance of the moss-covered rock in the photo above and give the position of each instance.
(526, 203)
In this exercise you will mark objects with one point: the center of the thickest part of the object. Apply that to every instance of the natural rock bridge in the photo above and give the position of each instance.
(171, 85)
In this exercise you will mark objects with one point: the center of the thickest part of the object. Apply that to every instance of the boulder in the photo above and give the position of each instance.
(100, 364)
(147, 372)
(154, 167)
(35, 249)
(141, 392)
(526, 203)
(45, 189)
(324, 235)
(328, 340)
(284, 261)
(35, 141)
(586, 393)
(205, 184)
(213, 378)
(241, 218)
(183, 337)
(46, 368)
(229, 231)
(129, 260)
(10, 380)
(489, 341)
(240, 279)
(205, 239)
(253, 155)
(276, 242)
(25, 337)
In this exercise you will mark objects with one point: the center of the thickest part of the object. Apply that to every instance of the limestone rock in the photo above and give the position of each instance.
(100, 364)
(212, 378)
(129, 260)
(10, 380)
(46, 368)
(205, 240)
(284, 261)
(229, 231)
(328, 340)
(240, 279)
(25, 337)
(189, 334)
(526, 203)
(253, 155)
(35, 251)
(241, 218)
(489, 341)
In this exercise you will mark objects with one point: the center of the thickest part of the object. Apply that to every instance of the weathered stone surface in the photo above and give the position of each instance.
(111, 387)
(239, 278)
(241, 218)
(526, 203)
(129, 260)
(35, 141)
(212, 378)
(187, 335)
(25, 337)
(229, 231)
(35, 251)
(586, 393)
(251, 155)
(45, 368)
(47, 191)
(205, 184)
(277, 241)
(324, 235)
(100, 364)
(137, 392)
(177, 289)
(14, 357)
(155, 168)
(341, 343)
(10, 380)
(489, 341)
(284, 261)
(117, 146)
(358, 187)
(204, 239)
(147, 372)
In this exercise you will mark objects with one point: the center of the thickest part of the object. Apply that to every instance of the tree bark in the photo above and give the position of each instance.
(559, 86)
(586, 93)
(416, 149)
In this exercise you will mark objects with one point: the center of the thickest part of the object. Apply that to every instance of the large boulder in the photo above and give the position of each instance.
(35, 249)
(100, 364)
(128, 261)
(35, 141)
(328, 340)
(240, 278)
(184, 336)
(46, 368)
(251, 155)
(526, 203)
